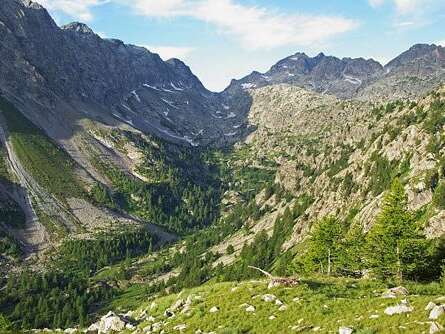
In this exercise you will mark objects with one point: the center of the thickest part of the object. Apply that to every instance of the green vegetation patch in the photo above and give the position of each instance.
(49, 164)
(323, 303)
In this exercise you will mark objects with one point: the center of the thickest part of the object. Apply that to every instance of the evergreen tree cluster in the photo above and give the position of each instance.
(65, 295)
(395, 247)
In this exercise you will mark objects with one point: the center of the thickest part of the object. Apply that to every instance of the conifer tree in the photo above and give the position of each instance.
(390, 251)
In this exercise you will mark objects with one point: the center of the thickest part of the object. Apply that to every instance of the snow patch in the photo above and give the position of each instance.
(136, 96)
(190, 141)
(354, 81)
(231, 115)
(152, 87)
(123, 119)
(126, 107)
(237, 126)
(248, 85)
(226, 107)
(231, 134)
(170, 103)
(175, 87)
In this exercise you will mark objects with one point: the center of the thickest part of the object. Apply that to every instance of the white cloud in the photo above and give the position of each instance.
(409, 6)
(167, 52)
(80, 9)
(253, 27)
(376, 3)
(157, 8)
(405, 7)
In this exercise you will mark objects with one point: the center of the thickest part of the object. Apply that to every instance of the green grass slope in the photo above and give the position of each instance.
(322, 304)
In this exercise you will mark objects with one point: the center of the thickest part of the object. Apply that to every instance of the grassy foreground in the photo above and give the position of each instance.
(321, 305)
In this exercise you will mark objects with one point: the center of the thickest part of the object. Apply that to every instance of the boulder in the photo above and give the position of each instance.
(435, 328)
(268, 298)
(214, 309)
(111, 322)
(181, 327)
(436, 312)
(93, 329)
(398, 291)
(282, 308)
(345, 330)
(70, 331)
(250, 308)
(177, 305)
(430, 306)
(278, 302)
(403, 307)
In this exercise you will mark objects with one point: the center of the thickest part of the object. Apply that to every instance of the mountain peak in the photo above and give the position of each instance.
(31, 4)
(78, 27)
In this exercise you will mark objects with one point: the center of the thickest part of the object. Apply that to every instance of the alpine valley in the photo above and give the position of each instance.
(135, 200)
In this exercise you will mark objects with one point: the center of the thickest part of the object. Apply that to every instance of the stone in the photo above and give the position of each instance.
(345, 330)
(430, 306)
(282, 308)
(400, 291)
(436, 312)
(111, 322)
(278, 302)
(272, 317)
(374, 316)
(268, 298)
(389, 295)
(214, 309)
(250, 308)
(93, 329)
(403, 307)
(70, 331)
(181, 327)
(435, 328)
(177, 305)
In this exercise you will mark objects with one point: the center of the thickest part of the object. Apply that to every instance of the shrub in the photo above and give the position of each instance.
(439, 196)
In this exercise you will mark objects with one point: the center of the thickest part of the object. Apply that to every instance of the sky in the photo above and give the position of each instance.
(227, 39)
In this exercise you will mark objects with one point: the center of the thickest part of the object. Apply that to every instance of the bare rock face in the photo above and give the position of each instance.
(44, 66)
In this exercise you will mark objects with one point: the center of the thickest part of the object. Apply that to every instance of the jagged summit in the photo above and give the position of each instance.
(78, 27)
(31, 4)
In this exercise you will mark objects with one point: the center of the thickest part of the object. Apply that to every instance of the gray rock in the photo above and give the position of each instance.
(214, 309)
(250, 308)
(111, 322)
(430, 306)
(436, 312)
(268, 298)
(345, 330)
(403, 307)
(181, 327)
(435, 327)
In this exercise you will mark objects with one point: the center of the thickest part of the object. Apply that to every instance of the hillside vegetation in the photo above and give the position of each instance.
(341, 190)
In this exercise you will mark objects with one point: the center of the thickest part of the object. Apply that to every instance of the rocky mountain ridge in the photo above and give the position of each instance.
(355, 78)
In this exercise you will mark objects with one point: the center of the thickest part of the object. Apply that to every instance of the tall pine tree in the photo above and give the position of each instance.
(390, 251)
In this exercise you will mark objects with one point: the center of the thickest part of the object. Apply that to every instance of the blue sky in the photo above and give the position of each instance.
(225, 39)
